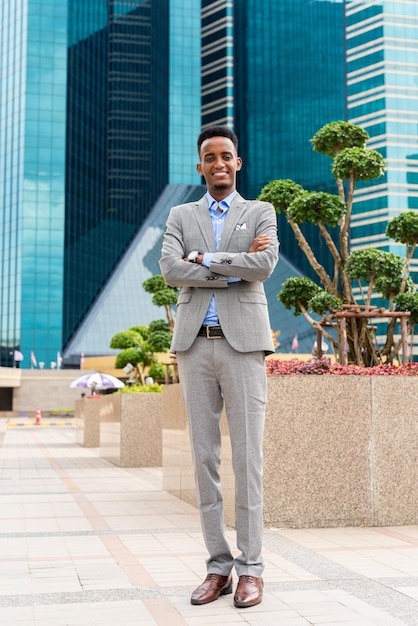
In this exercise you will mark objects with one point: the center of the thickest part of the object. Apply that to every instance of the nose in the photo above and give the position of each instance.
(219, 162)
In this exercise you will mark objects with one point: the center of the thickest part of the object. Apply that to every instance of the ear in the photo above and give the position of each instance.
(239, 163)
(199, 169)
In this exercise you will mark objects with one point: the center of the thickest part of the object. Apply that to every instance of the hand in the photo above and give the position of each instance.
(260, 243)
(199, 259)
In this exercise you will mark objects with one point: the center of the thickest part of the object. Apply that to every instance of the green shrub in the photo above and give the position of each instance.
(154, 388)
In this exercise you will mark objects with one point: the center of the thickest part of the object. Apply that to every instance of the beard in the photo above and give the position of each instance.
(221, 185)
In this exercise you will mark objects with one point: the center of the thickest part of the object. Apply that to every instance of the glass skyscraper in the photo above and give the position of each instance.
(89, 91)
(289, 82)
(382, 97)
(101, 103)
(33, 52)
(267, 73)
(116, 141)
(217, 69)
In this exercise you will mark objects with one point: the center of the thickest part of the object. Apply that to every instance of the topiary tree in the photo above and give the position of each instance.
(163, 295)
(139, 345)
(371, 271)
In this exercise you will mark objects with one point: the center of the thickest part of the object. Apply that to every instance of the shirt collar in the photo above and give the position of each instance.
(225, 203)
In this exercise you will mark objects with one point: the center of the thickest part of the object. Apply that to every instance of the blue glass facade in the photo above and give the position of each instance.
(117, 142)
(133, 83)
(122, 302)
(217, 69)
(12, 107)
(32, 184)
(287, 85)
(86, 197)
(84, 131)
(101, 103)
(382, 95)
(289, 82)
(184, 90)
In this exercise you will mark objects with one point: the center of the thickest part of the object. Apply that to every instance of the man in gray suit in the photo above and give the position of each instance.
(219, 250)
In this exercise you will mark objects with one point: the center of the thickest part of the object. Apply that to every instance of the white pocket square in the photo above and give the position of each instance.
(242, 226)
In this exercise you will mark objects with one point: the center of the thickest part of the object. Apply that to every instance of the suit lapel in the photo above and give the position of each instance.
(204, 223)
(235, 213)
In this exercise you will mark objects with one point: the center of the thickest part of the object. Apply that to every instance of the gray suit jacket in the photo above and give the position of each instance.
(241, 306)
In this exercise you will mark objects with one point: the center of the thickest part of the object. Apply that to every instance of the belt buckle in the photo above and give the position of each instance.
(208, 335)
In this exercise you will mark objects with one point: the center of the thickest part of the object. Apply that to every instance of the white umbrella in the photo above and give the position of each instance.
(97, 381)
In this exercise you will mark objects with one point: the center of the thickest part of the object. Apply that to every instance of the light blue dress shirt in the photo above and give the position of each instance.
(218, 220)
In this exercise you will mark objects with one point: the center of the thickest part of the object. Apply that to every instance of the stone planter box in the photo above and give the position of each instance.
(126, 427)
(87, 422)
(130, 429)
(339, 451)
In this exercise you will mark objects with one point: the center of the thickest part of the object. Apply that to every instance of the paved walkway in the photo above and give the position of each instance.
(85, 543)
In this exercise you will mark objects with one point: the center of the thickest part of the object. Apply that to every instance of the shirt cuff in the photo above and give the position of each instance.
(207, 258)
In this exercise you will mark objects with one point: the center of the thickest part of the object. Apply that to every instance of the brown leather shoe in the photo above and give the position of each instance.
(249, 591)
(212, 587)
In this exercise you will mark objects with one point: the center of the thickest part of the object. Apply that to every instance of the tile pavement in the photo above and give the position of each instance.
(85, 543)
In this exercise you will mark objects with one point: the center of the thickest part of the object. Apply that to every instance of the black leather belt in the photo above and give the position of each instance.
(213, 331)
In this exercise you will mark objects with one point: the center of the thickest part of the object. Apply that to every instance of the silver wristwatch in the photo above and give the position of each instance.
(192, 256)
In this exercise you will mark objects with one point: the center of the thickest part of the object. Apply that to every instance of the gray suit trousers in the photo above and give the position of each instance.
(212, 374)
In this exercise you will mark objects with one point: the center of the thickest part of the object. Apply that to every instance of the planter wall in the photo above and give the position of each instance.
(126, 428)
(87, 422)
(339, 451)
(130, 429)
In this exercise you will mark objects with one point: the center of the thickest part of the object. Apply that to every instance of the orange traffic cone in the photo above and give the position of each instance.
(38, 416)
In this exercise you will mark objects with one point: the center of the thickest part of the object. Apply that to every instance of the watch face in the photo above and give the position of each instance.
(193, 256)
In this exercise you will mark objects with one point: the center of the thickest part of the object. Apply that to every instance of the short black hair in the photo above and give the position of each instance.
(217, 131)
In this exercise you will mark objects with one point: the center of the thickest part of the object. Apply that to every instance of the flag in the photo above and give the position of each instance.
(295, 343)
(59, 360)
(33, 359)
(18, 356)
(81, 360)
